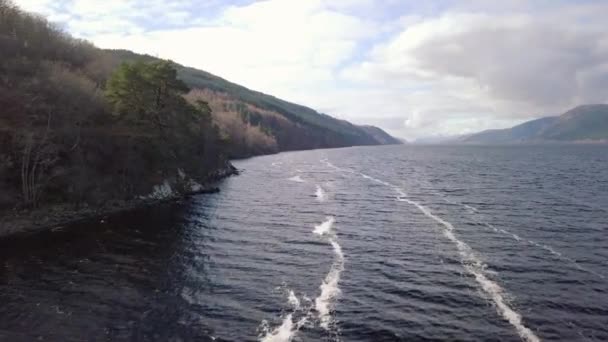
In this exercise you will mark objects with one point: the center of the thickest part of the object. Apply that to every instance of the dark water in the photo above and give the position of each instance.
(359, 244)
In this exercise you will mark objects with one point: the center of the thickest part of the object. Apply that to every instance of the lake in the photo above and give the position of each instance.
(393, 243)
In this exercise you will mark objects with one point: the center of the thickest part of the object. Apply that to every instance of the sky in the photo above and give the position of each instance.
(415, 68)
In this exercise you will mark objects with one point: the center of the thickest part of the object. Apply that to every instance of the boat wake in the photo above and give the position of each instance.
(558, 255)
(320, 194)
(476, 268)
(323, 305)
(470, 261)
(297, 179)
(329, 288)
(288, 328)
(325, 227)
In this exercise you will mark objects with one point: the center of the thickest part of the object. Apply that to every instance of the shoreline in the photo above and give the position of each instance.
(25, 222)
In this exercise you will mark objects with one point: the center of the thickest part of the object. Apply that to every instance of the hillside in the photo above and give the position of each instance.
(82, 126)
(583, 123)
(291, 126)
(78, 130)
(380, 135)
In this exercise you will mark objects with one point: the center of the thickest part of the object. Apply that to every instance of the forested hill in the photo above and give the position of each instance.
(381, 136)
(586, 123)
(243, 114)
(84, 126)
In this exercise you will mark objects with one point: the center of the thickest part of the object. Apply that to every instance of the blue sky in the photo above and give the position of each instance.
(415, 68)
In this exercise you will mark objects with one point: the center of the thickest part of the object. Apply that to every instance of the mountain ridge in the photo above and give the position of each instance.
(84, 127)
(319, 130)
(584, 123)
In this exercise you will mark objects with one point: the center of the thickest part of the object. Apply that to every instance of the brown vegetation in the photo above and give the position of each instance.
(63, 137)
(79, 126)
(244, 137)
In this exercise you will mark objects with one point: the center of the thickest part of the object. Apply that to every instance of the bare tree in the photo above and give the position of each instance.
(38, 155)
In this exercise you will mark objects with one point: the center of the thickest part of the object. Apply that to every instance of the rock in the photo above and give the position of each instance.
(212, 190)
(53, 217)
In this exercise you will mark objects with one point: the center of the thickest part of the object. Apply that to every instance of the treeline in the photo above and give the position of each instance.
(291, 126)
(85, 126)
(253, 130)
(240, 124)
(76, 126)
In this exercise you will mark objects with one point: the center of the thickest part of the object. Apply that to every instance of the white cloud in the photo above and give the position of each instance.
(280, 47)
(413, 68)
(477, 71)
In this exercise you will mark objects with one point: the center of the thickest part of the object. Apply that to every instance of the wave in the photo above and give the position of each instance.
(558, 255)
(286, 331)
(573, 200)
(476, 267)
(471, 208)
(475, 213)
(296, 179)
(376, 180)
(472, 264)
(330, 289)
(283, 333)
(288, 328)
(323, 304)
(293, 300)
(330, 165)
(325, 227)
(320, 194)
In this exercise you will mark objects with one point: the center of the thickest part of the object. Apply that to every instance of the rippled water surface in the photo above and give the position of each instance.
(390, 243)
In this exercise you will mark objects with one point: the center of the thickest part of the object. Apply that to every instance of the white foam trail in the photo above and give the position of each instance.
(320, 193)
(376, 180)
(475, 211)
(283, 333)
(472, 264)
(330, 289)
(471, 208)
(329, 164)
(293, 300)
(565, 258)
(323, 303)
(288, 329)
(547, 248)
(296, 179)
(476, 268)
(325, 227)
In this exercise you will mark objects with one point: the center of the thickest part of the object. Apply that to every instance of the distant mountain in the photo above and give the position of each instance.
(292, 126)
(438, 139)
(583, 123)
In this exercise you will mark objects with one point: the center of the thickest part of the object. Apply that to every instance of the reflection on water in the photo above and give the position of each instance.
(361, 244)
(118, 279)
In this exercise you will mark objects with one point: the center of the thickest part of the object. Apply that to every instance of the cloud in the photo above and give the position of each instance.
(516, 59)
(89, 18)
(415, 68)
(280, 47)
(475, 69)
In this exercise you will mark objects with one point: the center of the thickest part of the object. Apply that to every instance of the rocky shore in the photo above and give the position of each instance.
(49, 217)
